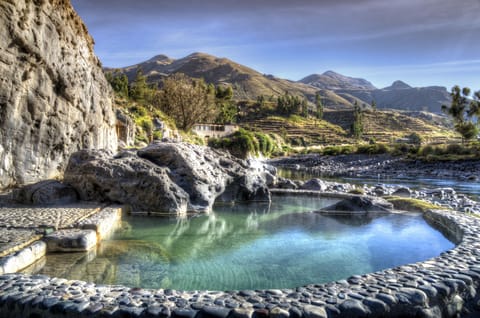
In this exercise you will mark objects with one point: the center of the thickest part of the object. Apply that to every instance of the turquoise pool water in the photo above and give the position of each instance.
(252, 246)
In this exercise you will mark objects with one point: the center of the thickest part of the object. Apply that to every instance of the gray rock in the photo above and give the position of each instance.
(279, 313)
(353, 308)
(54, 98)
(166, 177)
(314, 312)
(360, 204)
(71, 240)
(314, 184)
(283, 183)
(126, 178)
(48, 192)
(412, 296)
(402, 192)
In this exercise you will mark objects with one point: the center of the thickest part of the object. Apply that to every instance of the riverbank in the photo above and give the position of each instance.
(383, 165)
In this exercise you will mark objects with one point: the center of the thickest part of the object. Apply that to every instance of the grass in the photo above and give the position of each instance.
(358, 191)
(410, 204)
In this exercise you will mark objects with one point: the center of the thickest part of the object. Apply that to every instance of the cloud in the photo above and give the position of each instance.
(275, 34)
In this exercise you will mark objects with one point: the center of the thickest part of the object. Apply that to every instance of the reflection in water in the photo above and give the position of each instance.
(252, 246)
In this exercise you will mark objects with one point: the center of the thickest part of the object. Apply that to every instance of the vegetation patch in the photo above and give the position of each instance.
(244, 143)
(410, 204)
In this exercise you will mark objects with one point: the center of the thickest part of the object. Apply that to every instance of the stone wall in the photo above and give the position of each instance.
(54, 98)
(445, 286)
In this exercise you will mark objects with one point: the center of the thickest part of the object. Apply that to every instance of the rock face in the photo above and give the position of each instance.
(54, 98)
(167, 177)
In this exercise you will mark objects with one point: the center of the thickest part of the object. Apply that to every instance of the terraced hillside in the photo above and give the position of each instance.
(300, 131)
(387, 126)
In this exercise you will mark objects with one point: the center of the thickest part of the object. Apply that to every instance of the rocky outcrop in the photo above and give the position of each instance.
(359, 205)
(54, 98)
(167, 177)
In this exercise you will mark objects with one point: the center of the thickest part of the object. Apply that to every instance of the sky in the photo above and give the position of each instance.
(422, 42)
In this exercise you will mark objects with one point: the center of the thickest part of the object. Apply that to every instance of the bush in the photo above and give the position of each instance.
(358, 191)
(404, 149)
(138, 111)
(244, 143)
(266, 144)
(373, 149)
(415, 138)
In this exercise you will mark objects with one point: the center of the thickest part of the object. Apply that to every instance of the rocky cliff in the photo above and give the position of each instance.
(54, 99)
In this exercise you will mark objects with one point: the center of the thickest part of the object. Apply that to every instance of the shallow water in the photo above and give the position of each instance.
(252, 246)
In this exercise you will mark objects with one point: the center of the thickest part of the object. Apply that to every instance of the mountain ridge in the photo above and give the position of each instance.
(338, 91)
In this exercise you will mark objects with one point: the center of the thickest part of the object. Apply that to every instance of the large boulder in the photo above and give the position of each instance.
(359, 205)
(48, 192)
(54, 98)
(166, 177)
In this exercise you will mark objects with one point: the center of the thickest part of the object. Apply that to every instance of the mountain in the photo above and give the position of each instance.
(334, 81)
(246, 82)
(338, 91)
(398, 85)
(399, 95)
(402, 96)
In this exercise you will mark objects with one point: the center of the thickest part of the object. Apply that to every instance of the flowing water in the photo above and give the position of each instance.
(253, 246)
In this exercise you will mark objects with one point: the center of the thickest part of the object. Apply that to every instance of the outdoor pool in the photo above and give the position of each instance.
(254, 246)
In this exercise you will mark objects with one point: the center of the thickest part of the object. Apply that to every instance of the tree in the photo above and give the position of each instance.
(374, 105)
(139, 87)
(459, 104)
(319, 104)
(188, 101)
(119, 82)
(464, 111)
(357, 125)
(227, 109)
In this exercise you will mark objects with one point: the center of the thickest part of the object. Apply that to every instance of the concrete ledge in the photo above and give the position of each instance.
(445, 286)
(103, 223)
(23, 258)
(73, 240)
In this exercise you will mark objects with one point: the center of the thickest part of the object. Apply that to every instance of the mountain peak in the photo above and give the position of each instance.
(160, 58)
(334, 81)
(398, 85)
(199, 55)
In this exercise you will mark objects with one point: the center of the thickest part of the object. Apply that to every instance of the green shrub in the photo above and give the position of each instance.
(138, 111)
(373, 149)
(357, 191)
(157, 135)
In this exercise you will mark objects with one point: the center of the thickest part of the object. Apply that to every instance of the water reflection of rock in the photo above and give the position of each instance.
(79, 266)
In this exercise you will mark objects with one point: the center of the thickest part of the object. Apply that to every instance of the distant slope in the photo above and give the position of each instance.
(399, 95)
(246, 82)
(334, 81)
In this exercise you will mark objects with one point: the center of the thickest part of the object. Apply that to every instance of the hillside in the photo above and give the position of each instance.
(334, 81)
(247, 83)
(388, 125)
(399, 95)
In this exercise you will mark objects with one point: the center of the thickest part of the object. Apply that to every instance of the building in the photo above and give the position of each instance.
(207, 131)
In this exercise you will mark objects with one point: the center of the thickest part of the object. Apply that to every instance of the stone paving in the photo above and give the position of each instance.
(12, 240)
(26, 217)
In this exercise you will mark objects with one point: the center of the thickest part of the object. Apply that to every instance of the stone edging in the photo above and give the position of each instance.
(440, 287)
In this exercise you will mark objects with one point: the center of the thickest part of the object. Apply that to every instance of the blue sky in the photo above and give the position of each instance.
(422, 42)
